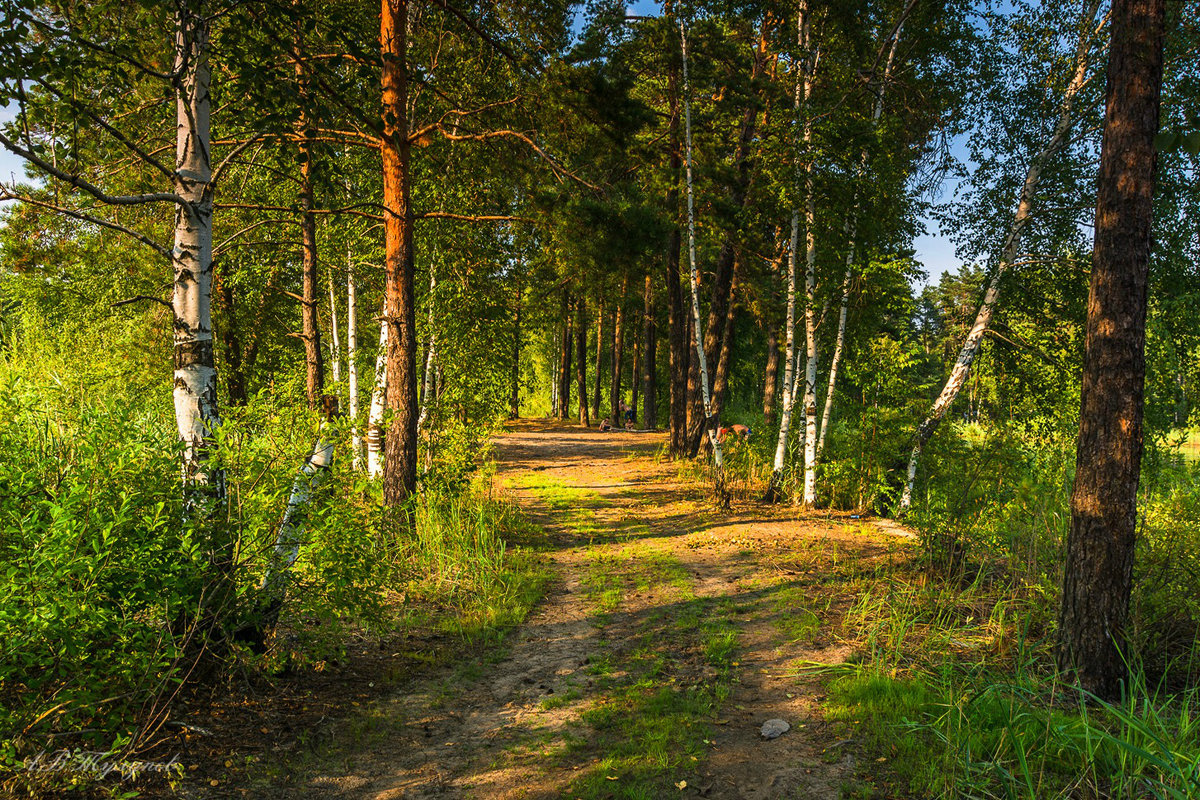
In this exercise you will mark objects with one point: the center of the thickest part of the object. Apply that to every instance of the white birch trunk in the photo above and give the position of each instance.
(352, 365)
(714, 440)
(1008, 253)
(810, 323)
(335, 344)
(197, 414)
(430, 355)
(378, 404)
(852, 237)
(291, 527)
(790, 355)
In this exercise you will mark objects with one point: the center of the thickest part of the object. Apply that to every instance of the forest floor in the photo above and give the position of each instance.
(670, 632)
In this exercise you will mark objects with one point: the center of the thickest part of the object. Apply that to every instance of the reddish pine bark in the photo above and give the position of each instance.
(400, 448)
(1099, 570)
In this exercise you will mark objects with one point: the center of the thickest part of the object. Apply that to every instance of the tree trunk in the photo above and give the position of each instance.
(514, 402)
(810, 323)
(197, 413)
(581, 359)
(400, 464)
(1012, 244)
(290, 533)
(618, 358)
(771, 376)
(564, 362)
(714, 440)
(720, 389)
(852, 236)
(649, 359)
(1100, 547)
(556, 370)
(680, 354)
(335, 344)
(314, 373)
(599, 359)
(235, 373)
(378, 401)
(352, 364)
(803, 87)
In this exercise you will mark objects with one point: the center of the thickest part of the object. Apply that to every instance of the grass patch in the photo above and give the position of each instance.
(661, 681)
(957, 696)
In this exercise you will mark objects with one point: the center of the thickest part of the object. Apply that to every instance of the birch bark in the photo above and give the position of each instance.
(714, 440)
(335, 344)
(1009, 250)
(197, 415)
(852, 238)
(378, 402)
(352, 365)
(775, 487)
(291, 528)
(430, 354)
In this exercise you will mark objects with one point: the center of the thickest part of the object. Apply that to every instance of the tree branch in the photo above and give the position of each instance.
(143, 297)
(79, 183)
(8, 194)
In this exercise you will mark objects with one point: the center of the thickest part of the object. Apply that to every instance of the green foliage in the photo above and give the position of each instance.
(99, 569)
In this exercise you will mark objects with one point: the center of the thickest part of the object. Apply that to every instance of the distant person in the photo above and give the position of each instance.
(738, 431)
(605, 427)
(627, 415)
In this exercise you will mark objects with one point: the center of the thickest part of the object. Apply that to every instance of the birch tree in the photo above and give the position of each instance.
(191, 180)
(713, 438)
(1081, 71)
(805, 71)
(852, 221)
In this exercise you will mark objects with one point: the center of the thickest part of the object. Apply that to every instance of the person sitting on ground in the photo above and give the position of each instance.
(604, 426)
(627, 415)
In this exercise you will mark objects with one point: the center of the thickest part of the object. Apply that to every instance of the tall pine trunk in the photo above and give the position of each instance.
(314, 372)
(771, 375)
(400, 464)
(649, 359)
(677, 317)
(599, 359)
(618, 357)
(564, 361)
(514, 401)
(1008, 253)
(581, 359)
(1100, 547)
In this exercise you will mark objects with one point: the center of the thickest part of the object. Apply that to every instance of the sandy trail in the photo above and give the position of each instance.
(519, 729)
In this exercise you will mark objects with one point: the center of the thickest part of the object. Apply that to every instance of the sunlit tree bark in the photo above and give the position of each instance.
(1100, 547)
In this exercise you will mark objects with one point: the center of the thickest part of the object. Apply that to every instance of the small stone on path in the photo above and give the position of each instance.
(774, 728)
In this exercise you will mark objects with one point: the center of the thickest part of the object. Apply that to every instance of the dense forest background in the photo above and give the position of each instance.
(232, 250)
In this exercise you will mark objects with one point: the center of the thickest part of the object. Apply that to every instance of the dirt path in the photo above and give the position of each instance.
(672, 633)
